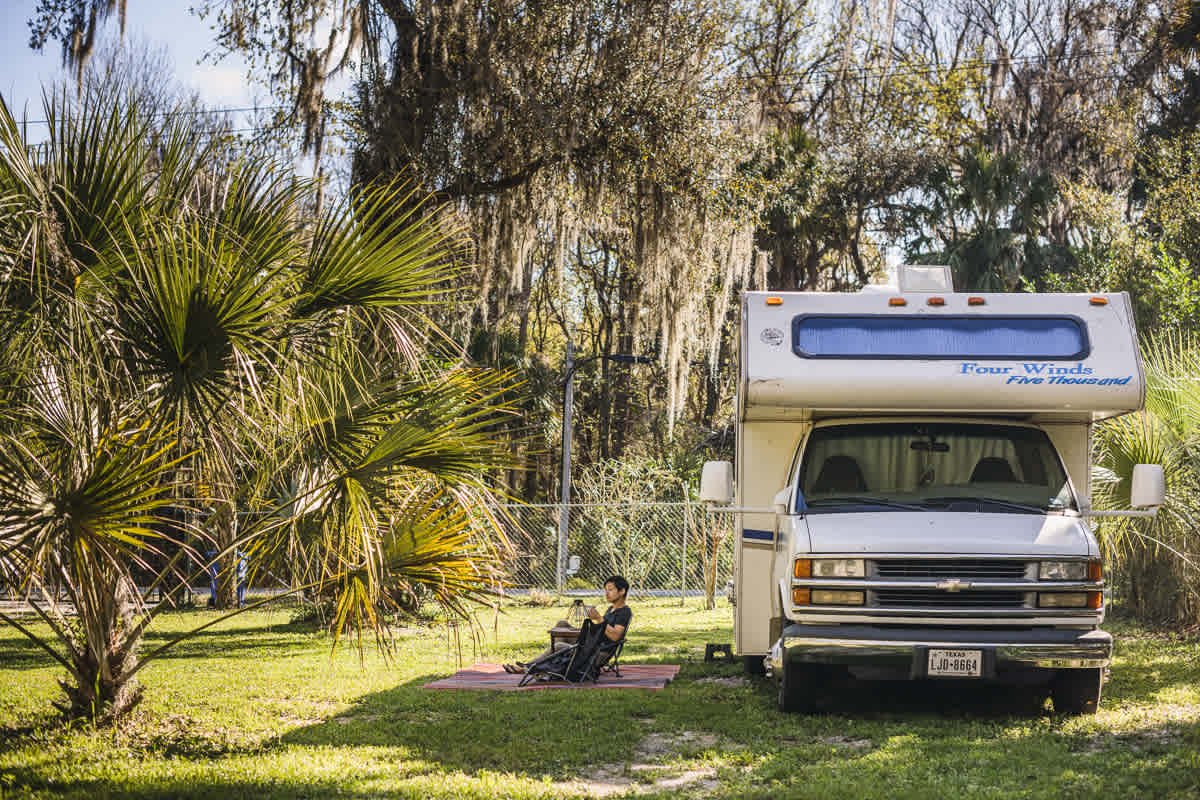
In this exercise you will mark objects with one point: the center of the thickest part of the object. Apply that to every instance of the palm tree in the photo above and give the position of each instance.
(179, 339)
(1157, 559)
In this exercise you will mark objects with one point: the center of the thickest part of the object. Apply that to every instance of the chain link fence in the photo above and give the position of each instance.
(662, 549)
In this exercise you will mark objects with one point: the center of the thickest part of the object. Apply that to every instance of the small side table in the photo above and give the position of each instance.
(565, 635)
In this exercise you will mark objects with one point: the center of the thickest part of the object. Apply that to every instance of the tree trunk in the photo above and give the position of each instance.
(225, 533)
(626, 324)
(101, 687)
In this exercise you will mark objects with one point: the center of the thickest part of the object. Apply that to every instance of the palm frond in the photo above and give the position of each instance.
(383, 251)
(1156, 558)
(65, 483)
(198, 321)
(443, 427)
(98, 160)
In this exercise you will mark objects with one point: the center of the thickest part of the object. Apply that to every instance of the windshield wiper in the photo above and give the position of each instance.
(865, 501)
(945, 501)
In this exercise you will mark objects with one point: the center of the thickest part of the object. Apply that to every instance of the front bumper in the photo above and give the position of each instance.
(906, 647)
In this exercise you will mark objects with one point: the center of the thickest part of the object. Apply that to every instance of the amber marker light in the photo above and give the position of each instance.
(936, 301)
(1095, 571)
(975, 301)
(800, 597)
(1095, 600)
(1099, 301)
(774, 301)
(897, 301)
(802, 568)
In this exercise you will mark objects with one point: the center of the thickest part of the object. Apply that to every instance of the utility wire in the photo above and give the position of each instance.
(811, 77)
(918, 70)
(199, 112)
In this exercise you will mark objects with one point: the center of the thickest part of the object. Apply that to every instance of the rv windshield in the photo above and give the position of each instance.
(926, 466)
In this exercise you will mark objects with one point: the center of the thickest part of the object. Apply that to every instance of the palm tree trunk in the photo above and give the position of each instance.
(101, 686)
(225, 533)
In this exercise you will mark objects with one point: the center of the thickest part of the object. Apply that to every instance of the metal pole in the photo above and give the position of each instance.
(564, 514)
(683, 561)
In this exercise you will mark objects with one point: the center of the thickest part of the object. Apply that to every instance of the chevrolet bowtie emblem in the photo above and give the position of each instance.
(953, 585)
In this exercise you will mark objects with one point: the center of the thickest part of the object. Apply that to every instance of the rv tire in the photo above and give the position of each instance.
(754, 665)
(798, 687)
(1077, 691)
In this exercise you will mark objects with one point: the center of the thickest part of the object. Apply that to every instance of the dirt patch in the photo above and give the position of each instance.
(610, 779)
(1132, 742)
(1161, 726)
(847, 741)
(301, 722)
(706, 777)
(360, 718)
(603, 781)
(658, 744)
(643, 775)
(733, 682)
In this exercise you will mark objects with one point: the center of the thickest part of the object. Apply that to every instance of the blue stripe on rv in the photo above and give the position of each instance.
(751, 533)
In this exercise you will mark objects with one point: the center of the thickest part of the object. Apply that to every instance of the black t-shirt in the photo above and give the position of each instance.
(618, 616)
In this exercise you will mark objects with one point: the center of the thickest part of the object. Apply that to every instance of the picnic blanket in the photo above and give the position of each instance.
(493, 676)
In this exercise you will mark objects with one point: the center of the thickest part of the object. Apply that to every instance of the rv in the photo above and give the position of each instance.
(912, 485)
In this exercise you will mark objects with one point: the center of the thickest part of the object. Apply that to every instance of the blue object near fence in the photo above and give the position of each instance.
(214, 570)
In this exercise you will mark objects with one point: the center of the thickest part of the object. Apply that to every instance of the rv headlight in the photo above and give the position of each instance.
(838, 568)
(1063, 599)
(1062, 570)
(836, 597)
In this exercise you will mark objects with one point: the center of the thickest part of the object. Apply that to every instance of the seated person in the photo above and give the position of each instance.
(615, 621)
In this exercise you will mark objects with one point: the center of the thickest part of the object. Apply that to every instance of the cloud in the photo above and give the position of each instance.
(220, 85)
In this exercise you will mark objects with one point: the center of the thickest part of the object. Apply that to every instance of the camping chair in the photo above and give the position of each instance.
(591, 655)
(608, 657)
(840, 474)
(992, 469)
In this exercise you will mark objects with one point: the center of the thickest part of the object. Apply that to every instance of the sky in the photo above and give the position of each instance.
(23, 72)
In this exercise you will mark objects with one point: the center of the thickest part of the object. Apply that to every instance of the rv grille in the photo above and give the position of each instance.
(981, 568)
(934, 598)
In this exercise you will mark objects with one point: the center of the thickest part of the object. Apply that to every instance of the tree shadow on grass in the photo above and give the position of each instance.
(875, 740)
(1039, 761)
(468, 730)
(23, 781)
(554, 733)
(228, 642)
(18, 653)
(543, 732)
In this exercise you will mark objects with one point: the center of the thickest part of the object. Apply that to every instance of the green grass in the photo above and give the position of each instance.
(258, 707)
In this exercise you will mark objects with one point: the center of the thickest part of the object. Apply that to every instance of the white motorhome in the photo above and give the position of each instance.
(912, 483)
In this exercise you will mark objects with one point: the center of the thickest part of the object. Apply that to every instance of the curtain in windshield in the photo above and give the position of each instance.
(910, 462)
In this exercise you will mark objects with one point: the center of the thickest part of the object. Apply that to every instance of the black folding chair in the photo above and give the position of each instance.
(591, 655)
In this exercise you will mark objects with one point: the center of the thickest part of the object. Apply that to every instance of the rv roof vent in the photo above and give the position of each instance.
(922, 278)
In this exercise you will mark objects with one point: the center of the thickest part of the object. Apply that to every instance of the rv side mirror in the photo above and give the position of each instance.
(781, 500)
(716, 483)
(1149, 486)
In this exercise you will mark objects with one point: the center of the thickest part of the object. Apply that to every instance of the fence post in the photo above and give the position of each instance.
(564, 518)
(687, 528)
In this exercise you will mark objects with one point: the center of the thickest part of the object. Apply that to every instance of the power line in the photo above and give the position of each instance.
(199, 112)
(810, 76)
(915, 70)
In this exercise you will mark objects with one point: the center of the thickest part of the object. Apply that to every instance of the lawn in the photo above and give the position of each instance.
(259, 707)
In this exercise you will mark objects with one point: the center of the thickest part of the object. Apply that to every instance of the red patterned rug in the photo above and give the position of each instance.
(493, 676)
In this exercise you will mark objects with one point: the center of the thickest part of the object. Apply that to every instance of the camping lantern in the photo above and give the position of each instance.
(576, 615)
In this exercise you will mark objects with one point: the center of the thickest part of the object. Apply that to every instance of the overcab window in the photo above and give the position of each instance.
(1060, 338)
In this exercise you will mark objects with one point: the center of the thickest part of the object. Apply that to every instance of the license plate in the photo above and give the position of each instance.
(956, 663)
